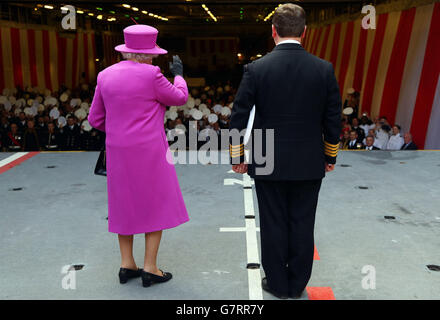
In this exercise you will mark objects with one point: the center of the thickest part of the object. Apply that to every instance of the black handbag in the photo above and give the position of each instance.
(101, 168)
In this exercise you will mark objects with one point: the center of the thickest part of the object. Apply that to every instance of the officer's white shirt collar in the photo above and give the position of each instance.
(288, 41)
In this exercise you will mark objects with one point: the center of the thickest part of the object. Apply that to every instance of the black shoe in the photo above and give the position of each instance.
(266, 288)
(125, 274)
(149, 278)
(295, 295)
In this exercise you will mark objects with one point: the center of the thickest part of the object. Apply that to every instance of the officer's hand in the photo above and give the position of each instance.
(176, 67)
(329, 167)
(240, 168)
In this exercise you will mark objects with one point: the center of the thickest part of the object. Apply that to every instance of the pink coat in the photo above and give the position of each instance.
(129, 105)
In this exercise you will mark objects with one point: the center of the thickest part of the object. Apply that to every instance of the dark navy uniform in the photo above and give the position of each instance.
(296, 94)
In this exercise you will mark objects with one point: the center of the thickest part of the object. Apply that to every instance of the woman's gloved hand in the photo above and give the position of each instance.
(176, 67)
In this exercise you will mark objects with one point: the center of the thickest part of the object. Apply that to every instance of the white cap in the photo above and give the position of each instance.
(12, 99)
(54, 113)
(196, 114)
(85, 106)
(86, 125)
(348, 111)
(34, 109)
(212, 118)
(63, 97)
(173, 115)
(81, 114)
(180, 128)
(218, 108)
(190, 103)
(61, 120)
(75, 102)
(206, 111)
(28, 111)
(225, 111)
(20, 102)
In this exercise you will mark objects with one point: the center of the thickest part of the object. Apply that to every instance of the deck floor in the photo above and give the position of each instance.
(59, 219)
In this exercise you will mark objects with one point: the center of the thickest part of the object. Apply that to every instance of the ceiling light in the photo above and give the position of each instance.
(126, 6)
(209, 12)
(270, 14)
(48, 7)
(135, 9)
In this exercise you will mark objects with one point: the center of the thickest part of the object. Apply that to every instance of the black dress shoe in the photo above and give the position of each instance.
(295, 295)
(149, 278)
(265, 287)
(125, 274)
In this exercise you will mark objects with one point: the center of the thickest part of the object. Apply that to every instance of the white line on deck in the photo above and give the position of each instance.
(11, 158)
(254, 275)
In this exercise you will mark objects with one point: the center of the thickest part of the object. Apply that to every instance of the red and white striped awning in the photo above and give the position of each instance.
(44, 58)
(396, 67)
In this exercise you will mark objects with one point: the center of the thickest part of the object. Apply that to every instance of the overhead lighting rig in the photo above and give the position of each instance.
(209, 12)
(271, 13)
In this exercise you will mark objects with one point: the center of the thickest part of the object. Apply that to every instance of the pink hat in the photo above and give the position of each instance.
(140, 38)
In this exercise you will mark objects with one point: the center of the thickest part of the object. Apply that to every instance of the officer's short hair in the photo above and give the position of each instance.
(289, 20)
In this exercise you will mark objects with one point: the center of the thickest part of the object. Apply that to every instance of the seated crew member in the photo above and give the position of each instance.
(30, 137)
(369, 141)
(409, 144)
(51, 140)
(354, 144)
(13, 139)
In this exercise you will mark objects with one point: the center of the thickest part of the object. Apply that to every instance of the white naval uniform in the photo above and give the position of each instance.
(381, 139)
(395, 143)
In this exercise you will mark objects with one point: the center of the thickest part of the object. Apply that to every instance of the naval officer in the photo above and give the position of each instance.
(296, 95)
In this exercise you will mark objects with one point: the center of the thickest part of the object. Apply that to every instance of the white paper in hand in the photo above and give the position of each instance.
(249, 125)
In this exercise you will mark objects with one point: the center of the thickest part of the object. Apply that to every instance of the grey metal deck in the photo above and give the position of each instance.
(59, 218)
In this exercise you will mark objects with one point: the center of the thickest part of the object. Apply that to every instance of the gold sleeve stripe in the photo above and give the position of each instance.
(234, 155)
(331, 146)
(331, 150)
(239, 146)
(331, 154)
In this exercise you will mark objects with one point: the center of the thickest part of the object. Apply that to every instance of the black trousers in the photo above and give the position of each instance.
(287, 219)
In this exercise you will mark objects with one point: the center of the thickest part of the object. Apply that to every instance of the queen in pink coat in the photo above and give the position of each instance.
(143, 191)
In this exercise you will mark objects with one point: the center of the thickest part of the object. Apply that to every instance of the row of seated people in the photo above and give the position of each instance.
(47, 136)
